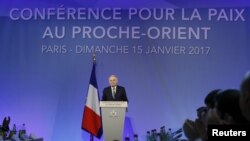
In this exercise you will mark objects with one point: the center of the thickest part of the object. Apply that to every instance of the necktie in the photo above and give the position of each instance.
(113, 92)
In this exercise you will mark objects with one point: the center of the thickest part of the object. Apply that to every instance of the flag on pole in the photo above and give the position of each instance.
(91, 121)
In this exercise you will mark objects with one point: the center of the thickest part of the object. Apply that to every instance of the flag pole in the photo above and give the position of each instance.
(94, 62)
(91, 137)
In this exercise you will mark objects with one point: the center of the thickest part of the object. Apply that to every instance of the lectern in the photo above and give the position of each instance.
(113, 115)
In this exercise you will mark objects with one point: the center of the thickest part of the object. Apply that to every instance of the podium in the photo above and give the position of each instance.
(113, 116)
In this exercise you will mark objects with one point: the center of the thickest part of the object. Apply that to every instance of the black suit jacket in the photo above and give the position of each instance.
(119, 96)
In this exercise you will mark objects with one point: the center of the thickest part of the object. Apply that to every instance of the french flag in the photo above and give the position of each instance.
(91, 121)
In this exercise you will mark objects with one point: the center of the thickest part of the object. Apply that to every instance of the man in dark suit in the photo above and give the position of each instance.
(114, 92)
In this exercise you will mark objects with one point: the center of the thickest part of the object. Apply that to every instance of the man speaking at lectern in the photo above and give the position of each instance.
(114, 92)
